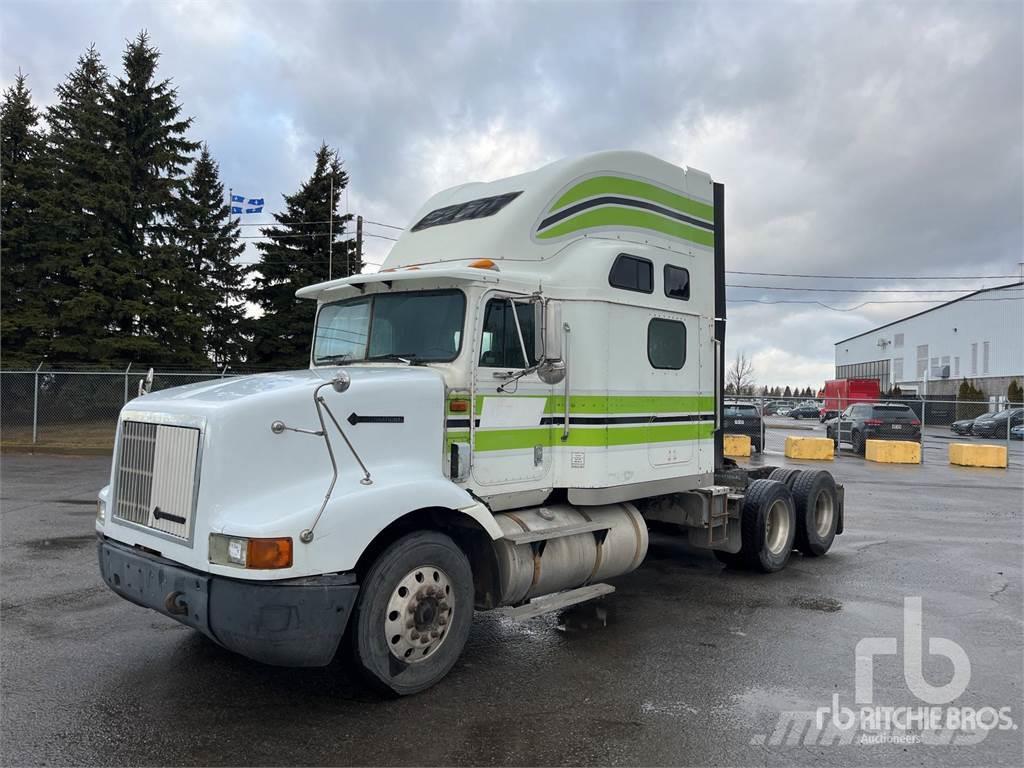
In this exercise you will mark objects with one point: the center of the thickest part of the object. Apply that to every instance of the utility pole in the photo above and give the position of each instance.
(359, 240)
(330, 233)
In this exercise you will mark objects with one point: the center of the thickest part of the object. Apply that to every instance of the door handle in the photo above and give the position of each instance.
(503, 374)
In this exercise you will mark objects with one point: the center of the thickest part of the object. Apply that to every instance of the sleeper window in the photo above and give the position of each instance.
(499, 347)
(632, 273)
(677, 282)
(666, 344)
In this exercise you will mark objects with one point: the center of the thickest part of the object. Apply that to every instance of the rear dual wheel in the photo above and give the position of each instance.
(817, 511)
(767, 528)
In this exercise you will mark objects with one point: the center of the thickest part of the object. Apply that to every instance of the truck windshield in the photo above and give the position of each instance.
(415, 326)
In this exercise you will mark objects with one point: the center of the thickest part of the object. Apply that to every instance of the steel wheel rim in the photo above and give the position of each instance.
(776, 527)
(419, 614)
(823, 513)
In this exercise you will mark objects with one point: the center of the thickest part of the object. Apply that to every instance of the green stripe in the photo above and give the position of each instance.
(603, 185)
(513, 439)
(618, 216)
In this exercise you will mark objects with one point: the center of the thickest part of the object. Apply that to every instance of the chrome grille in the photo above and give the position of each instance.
(156, 477)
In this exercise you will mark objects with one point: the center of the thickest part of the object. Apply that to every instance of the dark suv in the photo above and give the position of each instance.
(878, 421)
(744, 419)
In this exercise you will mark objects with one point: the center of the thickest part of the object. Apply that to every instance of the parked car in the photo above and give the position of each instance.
(878, 421)
(1017, 433)
(744, 419)
(804, 411)
(962, 426)
(997, 424)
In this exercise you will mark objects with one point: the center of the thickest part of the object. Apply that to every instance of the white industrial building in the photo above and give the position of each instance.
(979, 337)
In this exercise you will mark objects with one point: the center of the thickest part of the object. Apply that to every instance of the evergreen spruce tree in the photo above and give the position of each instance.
(296, 255)
(25, 328)
(78, 215)
(207, 240)
(1015, 393)
(151, 152)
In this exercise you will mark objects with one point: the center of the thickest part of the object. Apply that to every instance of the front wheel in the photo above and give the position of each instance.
(414, 613)
(858, 443)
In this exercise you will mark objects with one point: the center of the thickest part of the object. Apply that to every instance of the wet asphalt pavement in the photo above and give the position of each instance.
(686, 664)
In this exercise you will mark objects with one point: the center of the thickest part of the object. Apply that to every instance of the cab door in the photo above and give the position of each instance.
(512, 434)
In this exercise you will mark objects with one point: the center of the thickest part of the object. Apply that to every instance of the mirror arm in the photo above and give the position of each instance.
(519, 332)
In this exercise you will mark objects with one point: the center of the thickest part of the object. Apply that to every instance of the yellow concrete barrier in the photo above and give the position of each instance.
(977, 455)
(736, 445)
(818, 448)
(893, 451)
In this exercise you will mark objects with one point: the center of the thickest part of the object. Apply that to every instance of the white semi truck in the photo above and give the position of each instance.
(488, 422)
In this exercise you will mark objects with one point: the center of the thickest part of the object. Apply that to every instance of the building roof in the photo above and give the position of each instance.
(930, 309)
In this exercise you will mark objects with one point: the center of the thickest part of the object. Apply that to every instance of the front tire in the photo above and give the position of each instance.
(858, 443)
(767, 525)
(414, 613)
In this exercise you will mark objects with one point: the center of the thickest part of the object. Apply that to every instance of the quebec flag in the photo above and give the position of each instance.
(246, 205)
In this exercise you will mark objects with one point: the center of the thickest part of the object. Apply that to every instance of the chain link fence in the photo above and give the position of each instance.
(942, 421)
(75, 409)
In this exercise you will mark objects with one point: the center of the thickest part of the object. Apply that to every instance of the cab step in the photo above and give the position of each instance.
(545, 534)
(555, 602)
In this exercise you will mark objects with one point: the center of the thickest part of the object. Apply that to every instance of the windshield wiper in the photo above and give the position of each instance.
(341, 359)
(406, 357)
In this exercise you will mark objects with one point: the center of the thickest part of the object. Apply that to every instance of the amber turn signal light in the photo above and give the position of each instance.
(269, 553)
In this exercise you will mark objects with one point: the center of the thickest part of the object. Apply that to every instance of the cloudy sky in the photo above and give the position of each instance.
(877, 139)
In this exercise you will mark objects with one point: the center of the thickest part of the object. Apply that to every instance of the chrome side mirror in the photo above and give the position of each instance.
(547, 323)
(341, 381)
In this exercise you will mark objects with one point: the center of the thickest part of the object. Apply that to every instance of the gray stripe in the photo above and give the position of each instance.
(628, 202)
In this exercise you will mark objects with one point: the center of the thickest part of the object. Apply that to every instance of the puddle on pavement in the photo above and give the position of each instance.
(586, 617)
(823, 604)
(60, 543)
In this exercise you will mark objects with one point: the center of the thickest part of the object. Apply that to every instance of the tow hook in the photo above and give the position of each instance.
(174, 606)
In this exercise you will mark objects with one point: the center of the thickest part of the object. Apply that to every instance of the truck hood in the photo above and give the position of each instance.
(255, 480)
(216, 393)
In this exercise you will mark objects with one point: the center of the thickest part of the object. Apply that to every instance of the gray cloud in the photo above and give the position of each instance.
(870, 138)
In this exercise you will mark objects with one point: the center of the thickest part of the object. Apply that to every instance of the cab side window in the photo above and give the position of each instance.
(666, 344)
(677, 282)
(499, 347)
(631, 273)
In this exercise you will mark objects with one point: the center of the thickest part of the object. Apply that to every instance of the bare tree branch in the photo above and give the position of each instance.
(740, 376)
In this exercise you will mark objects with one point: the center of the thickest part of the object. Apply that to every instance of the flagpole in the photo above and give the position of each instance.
(330, 233)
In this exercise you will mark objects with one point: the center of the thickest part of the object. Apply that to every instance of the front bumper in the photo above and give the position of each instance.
(888, 433)
(292, 623)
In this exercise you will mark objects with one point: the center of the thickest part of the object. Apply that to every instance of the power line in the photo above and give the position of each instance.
(858, 290)
(381, 224)
(856, 307)
(874, 277)
(284, 235)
